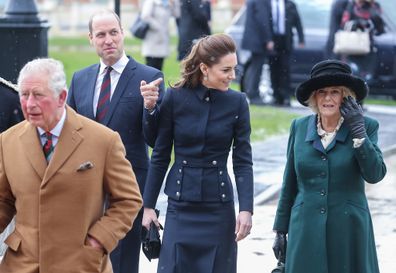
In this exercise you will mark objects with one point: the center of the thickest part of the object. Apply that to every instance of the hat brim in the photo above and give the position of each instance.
(357, 85)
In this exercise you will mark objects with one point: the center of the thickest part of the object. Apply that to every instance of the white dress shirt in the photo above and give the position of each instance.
(278, 23)
(115, 75)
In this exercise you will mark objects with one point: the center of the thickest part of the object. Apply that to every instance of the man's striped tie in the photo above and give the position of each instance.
(48, 147)
(104, 96)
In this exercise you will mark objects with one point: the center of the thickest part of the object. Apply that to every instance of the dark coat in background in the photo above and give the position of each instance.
(323, 206)
(337, 9)
(10, 107)
(257, 32)
(192, 24)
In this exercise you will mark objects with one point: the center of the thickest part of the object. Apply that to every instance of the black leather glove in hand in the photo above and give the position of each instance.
(279, 246)
(353, 117)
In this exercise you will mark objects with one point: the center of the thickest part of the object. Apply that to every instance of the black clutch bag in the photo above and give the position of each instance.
(151, 240)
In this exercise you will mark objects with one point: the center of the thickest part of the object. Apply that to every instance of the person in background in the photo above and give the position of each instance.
(193, 23)
(10, 108)
(202, 119)
(55, 176)
(109, 92)
(366, 16)
(337, 10)
(284, 18)
(156, 43)
(256, 36)
(331, 154)
(268, 35)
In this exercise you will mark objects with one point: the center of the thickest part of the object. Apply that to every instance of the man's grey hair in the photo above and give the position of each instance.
(51, 68)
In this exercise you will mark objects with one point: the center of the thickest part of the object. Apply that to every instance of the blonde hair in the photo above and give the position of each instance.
(311, 101)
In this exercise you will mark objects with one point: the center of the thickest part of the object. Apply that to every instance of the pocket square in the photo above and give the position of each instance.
(85, 166)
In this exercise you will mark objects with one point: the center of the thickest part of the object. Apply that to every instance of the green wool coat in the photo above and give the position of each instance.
(323, 206)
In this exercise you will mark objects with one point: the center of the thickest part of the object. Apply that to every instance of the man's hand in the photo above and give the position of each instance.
(91, 241)
(150, 93)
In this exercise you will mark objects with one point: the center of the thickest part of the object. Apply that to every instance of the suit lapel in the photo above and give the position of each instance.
(92, 76)
(68, 141)
(33, 149)
(126, 75)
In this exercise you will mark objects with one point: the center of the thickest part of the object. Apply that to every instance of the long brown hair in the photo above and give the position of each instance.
(208, 50)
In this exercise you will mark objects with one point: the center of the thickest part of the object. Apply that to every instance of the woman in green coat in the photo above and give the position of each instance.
(322, 206)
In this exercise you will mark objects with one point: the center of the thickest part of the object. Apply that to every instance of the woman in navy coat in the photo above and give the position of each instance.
(203, 120)
(331, 154)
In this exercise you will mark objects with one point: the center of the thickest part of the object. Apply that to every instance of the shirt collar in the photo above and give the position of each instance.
(118, 66)
(322, 132)
(56, 131)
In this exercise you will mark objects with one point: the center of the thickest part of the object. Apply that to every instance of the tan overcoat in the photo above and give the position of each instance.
(58, 205)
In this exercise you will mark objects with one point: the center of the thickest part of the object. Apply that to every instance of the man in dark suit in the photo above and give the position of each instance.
(256, 36)
(284, 18)
(109, 93)
(10, 108)
(269, 32)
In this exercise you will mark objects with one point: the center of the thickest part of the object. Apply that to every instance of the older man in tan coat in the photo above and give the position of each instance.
(57, 169)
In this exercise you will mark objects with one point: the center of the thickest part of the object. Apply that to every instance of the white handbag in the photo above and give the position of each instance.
(351, 42)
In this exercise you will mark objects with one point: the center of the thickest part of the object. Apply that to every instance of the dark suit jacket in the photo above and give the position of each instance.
(126, 115)
(10, 108)
(292, 21)
(257, 32)
(202, 133)
(258, 26)
(193, 24)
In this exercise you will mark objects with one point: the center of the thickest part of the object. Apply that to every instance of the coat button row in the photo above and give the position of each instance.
(322, 192)
(324, 157)
(184, 162)
(322, 210)
(221, 172)
(214, 162)
(222, 184)
(177, 194)
(178, 182)
(223, 196)
(207, 99)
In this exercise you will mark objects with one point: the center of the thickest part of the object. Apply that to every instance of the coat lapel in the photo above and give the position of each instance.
(126, 75)
(92, 76)
(312, 134)
(33, 149)
(68, 141)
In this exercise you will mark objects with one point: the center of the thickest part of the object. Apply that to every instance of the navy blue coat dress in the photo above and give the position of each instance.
(203, 126)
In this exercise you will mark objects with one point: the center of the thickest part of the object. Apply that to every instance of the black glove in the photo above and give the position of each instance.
(353, 117)
(279, 246)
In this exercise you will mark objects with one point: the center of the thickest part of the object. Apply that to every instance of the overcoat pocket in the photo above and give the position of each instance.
(13, 241)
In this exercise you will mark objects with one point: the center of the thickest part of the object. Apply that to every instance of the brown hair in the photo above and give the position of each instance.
(208, 50)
